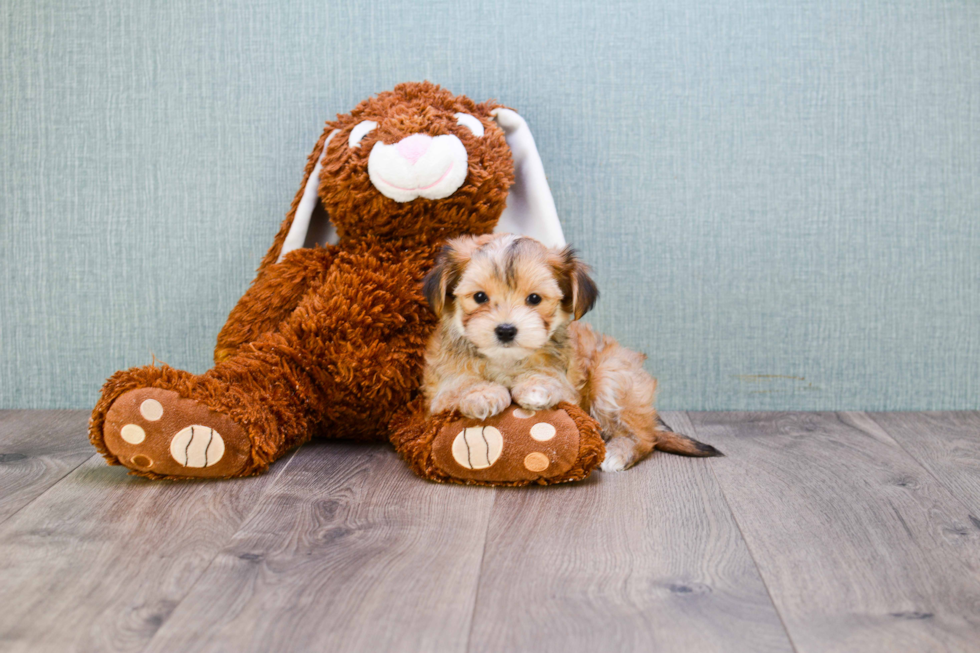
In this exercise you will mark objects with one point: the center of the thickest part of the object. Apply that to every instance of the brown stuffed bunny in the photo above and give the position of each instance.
(329, 339)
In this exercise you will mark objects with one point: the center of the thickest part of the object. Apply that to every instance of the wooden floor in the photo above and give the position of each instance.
(817, 532)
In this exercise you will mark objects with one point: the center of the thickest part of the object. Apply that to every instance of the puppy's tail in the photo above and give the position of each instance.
(682, 445)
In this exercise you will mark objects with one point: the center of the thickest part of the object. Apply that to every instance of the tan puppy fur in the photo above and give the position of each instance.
(508, 307)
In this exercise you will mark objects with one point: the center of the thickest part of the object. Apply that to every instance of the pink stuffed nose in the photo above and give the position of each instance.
(414, 146)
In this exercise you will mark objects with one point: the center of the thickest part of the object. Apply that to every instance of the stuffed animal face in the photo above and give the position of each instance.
(416, 163)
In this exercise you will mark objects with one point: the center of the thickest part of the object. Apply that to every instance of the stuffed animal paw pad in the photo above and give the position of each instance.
(516, 445)
(156, 431)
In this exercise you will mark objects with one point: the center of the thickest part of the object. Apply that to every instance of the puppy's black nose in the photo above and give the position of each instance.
(505, 332)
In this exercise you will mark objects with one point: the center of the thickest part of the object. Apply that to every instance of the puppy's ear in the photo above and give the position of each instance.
(441, 280)
(579, 292)
(436, 285)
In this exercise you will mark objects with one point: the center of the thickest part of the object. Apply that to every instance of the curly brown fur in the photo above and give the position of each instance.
(508, 307)
(330, 341)
(362, 215)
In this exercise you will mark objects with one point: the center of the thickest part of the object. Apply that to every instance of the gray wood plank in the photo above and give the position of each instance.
(349, 551)
(947, 444)
(100, 560)
(860, 547)
(648, 559)
(37, 449)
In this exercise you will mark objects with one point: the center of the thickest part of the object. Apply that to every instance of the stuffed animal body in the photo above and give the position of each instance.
(329, 340)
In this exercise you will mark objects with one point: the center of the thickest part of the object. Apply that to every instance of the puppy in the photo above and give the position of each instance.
(508, 307)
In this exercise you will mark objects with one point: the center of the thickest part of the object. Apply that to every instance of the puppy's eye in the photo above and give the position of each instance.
(360, 130)
(481, 297)
(533, 299)
(471, 123)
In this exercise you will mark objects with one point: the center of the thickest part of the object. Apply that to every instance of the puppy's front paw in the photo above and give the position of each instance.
(484, 400)
(537, 394)
(620, 455)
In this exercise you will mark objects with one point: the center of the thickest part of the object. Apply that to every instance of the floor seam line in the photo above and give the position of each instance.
(939, 483)
(48, 489)
(748, 547)
(479, 579)
(921, 464)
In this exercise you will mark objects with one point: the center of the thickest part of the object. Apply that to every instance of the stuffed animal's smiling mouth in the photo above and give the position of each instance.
(420, 188)
(432, 167)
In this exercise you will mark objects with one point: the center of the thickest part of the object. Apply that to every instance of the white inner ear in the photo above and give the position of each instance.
(471, 123)
(360, 130)
(530, 209)
(296, 237)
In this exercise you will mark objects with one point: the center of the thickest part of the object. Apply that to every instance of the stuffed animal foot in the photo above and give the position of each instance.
(156, 432)
(516, 447)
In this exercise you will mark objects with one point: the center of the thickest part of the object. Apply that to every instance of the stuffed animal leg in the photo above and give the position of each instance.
(514, 448)
(346, 359)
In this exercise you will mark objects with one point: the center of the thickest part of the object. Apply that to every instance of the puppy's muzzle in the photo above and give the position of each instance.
(505, 332)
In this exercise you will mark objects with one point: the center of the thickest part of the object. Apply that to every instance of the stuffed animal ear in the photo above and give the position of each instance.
(530, 209)
(311, 224)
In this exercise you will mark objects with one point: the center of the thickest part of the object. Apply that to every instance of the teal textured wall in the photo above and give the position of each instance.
(781, 199)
